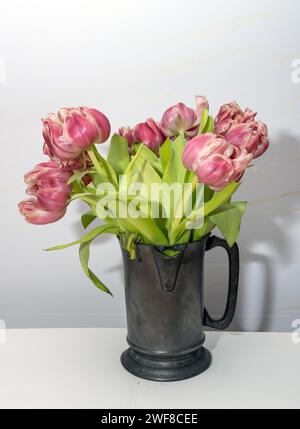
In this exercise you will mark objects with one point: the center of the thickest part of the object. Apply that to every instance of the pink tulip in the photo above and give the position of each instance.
(48, 183)
(82, 163)
(148, 133)
(35, 213)
(215, 161)
(127, 133)
(231, 114)
(180, 119)
(72, 130)
(251, 136)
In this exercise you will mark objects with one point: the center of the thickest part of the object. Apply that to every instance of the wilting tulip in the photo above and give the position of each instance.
(180, 119)
(231, 114)
(251, 136)
(148, 133)
(215, 161)
(35, 213)
(72, 130)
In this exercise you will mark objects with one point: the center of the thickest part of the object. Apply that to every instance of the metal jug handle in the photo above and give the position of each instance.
(233, 256)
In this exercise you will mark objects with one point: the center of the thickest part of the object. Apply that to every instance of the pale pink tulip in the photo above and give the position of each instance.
(251, 136)
(35, 213)
(216, 162)
(180, 119)
(72, 130)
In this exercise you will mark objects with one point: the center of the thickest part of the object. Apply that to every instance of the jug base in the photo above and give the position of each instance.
(166, 368)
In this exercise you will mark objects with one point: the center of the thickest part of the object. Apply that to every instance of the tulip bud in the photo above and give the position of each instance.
(201, 104)
(180, 119)
(35, 213)
(231, 114)
(251, 136)
(215, 161)
(72, 131)
(127, 133)
(148, 133)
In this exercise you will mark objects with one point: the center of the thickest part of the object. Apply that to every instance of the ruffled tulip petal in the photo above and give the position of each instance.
(35, 214)
(47, 182)
(100, 121)
(148, 133)
(215, 161)
(252, 137)
(80, 130)
(72, 131)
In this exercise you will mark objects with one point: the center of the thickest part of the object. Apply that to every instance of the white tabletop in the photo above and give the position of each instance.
(80, 368)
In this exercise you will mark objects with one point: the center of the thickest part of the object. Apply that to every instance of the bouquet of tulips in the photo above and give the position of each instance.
(164, 183)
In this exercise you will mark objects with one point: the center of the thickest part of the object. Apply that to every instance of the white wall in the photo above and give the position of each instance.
(132, 59)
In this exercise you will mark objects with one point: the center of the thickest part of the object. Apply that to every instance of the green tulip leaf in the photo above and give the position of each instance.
(165, 152)
(204, 119)
(178, 146)
(209, 126)
(87, 219)
(228, 220)
(91, 235)
(102, 167)
(84, 255)
(220, 198)
(118, 154)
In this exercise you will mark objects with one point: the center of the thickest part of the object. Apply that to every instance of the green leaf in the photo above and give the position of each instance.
(84, 255)
(165, 152)
(241, 205)
(103, 168)
(228, 219)
(209, 126)
(89, 236)
(149, 156)
(190, 177)
(206, 228)
(174, 171)
(178, 147)
(208, 194)
(204, 119)
(220, 198)
(76, 177)
(118, 154)
(140, 170)
(170, 175)
(87, 219)
(146, 228)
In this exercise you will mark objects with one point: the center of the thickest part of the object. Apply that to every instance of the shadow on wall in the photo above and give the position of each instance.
(273, 190)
